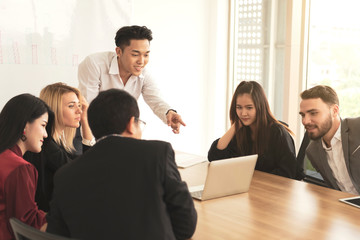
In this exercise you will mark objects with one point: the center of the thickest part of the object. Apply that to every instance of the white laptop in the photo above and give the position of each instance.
(226, 177)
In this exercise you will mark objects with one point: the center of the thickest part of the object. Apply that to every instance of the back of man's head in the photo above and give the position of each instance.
(325, 93)
(111, 111)
(127, 33)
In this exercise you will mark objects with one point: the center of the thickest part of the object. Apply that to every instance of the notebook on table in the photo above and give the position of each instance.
(226, 177)
(184, 160)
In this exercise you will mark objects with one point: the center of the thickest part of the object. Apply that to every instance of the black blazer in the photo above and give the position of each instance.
(47, 162)
(122, 188)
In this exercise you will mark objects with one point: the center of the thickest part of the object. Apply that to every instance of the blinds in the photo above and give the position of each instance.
(248, 41)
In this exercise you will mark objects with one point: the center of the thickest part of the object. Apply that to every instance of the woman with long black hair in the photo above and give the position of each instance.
(255, 130)
(23, 123)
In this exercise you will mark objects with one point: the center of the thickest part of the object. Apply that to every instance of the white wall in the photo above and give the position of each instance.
(42, 42)
(189, 57)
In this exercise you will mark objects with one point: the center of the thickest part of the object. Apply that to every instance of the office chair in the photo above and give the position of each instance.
(301, 154)
(301, 159)
(23, 231)
(299, 175)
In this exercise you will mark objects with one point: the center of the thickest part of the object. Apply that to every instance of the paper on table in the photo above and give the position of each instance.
(184, 160)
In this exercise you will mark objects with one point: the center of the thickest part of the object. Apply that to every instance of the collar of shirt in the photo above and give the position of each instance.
(114, 68)
(336, 137)
(109, 135)
(16, 149)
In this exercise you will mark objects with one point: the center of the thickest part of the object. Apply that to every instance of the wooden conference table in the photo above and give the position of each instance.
(274, 208)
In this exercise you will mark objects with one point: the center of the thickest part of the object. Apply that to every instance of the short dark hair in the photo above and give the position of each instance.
(111, 111)
(325, 93)
(127, 33)
(19, 110)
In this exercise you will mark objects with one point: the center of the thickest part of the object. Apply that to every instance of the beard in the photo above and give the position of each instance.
(323, 129)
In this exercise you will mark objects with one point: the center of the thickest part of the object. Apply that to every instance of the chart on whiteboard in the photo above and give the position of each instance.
(58, 32)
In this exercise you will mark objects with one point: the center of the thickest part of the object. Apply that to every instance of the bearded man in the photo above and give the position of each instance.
(335, 147)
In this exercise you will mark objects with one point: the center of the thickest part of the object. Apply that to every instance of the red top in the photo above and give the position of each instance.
(18, 179)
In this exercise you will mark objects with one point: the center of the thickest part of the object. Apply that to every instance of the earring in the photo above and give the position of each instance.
(23, 137)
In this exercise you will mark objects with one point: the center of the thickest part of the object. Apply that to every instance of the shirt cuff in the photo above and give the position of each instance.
(88, 142)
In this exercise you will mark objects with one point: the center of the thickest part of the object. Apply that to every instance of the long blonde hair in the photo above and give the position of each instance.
(52, 95)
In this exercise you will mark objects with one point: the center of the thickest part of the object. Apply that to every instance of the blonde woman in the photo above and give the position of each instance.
(70, 110)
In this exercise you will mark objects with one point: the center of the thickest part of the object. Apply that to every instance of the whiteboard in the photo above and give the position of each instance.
(42, 41)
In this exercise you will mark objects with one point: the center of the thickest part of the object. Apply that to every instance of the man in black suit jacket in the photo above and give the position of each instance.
(123, 187)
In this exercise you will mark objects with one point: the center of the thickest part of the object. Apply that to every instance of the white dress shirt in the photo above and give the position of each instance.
(100, 72)
(336, 160)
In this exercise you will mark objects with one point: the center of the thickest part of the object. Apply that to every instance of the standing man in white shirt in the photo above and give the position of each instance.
(335, 147)
(125, 69)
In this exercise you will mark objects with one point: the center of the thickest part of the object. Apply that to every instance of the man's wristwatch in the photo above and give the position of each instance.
(169, 111)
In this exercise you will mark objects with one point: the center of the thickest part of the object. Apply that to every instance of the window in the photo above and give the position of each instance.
(249, 41)
(299, 44)
(334, 52)
(258, 40)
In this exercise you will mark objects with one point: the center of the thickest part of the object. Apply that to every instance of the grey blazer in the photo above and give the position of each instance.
(350, 137)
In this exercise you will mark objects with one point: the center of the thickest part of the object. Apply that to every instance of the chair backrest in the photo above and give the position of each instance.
(23, 231)
(310, 176)
(301, 154)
